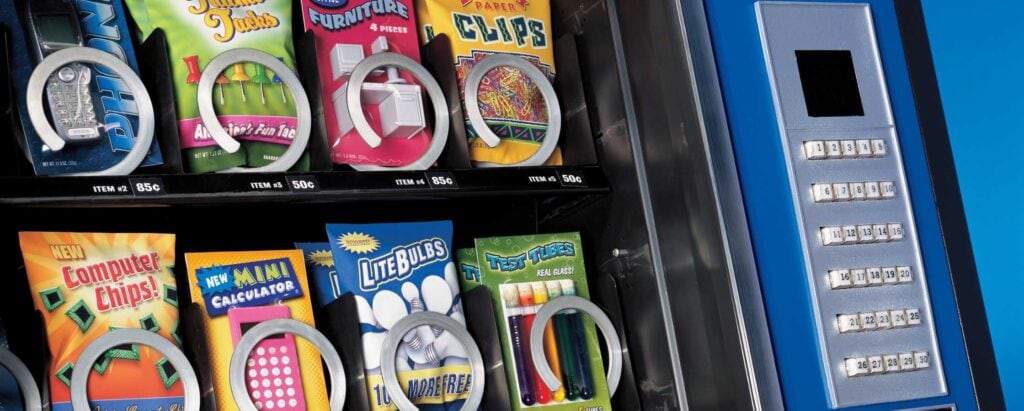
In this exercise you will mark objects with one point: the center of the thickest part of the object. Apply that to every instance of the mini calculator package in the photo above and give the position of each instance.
(238, 290)
(88, 284)
(523, 273)
(346, 33)
(394, 270)
(251, 101)
(108, 104)
(510, 103)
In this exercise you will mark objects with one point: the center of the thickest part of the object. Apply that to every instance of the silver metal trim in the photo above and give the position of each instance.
(37, 114)
(611, 338)
(354, 99)
(99, 346)
(26, 383)
(393, 339)
(476, 119)
(236, 373)
(208, 114)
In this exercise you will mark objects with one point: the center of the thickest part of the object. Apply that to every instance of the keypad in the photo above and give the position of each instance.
(887, 363)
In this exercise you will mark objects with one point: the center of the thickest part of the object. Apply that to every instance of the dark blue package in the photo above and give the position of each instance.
(395, 270)
(104, 26)
(320, 270)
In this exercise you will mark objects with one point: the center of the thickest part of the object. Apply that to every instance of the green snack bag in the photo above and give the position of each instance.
(469, 270)
(251, 106)
(523, 273)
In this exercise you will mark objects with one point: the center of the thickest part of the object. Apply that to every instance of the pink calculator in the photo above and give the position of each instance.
(272, 372)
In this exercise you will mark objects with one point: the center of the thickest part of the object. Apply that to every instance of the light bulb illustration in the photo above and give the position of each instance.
(388, 308)
(417, 355)
(402, 359)
(372, 345)
(443, 347)
(451, 275)
(437, 295)
(458, 316)
(364, 312)
(423, 333)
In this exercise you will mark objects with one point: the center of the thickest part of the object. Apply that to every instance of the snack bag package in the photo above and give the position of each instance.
(523, 273)
(394, 270)
(87, 284)
(346, 32)
(469, 269)
(238, 290)
(109, 105)
(320, 268)
(251, 102)
(511, 104)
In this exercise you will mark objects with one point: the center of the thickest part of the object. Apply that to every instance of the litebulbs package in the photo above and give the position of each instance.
(346, 33)
(511, 104)
(251, 101)
(238, 290)
(523, 273)
(88, 284)
(395, 270)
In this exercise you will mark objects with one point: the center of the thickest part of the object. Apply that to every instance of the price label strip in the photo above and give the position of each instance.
(572, 178)
(442, 180)
(147, 186)
(303, 184)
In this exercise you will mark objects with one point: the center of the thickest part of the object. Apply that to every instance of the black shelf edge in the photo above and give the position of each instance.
(300, 187)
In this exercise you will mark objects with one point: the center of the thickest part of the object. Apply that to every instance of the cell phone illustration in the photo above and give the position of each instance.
(272, 372)
(53, 25)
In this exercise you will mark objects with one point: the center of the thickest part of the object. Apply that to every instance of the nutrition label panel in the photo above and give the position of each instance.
(862, 255)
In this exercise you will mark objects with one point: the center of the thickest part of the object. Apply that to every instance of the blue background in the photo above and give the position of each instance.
(979, 56)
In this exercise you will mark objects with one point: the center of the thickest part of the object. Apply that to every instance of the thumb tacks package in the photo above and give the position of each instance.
(87, 284)
(400, 269)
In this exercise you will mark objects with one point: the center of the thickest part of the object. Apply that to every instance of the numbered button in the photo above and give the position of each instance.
(922, 360)
(839, 279)
(822, 192)
(907, 361)
(857, 366)
(905, 274)
(864, 148)
(878, 148)
(867, 321)
(913, 316)
(857, 189)
(841, 191)
(881, 232)
(874, 276)
(867, 233)
(849, 148)
(892, 362)
(895, 232)
(831, 235)
(883, 319)
(876, 365)
(872, 189)
(899, 318)
(859, 277)
(888, 189)
(850, 234)
(848, 323)
(814, 150)
(889, 275)
(833, 149)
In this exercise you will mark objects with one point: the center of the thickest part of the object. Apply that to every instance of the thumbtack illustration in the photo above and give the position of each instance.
(261, 78)
(277, 79)
(240, 76)
(193, 69)
(221, 81)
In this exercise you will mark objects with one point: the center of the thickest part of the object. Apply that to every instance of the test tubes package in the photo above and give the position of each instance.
(523, 273)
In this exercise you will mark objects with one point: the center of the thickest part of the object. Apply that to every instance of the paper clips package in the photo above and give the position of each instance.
(395, 270)
(523, 273)
(238, 290)
(87, 284)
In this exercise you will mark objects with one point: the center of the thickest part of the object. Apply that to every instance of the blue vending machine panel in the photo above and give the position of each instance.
(845, 230)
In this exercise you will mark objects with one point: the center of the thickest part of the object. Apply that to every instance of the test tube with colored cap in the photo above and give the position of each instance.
(524, 368)
(240, 76)
(194, 74)
(260, 77)
(579, 341)
(221, 81)
(540, 297)
(566, 349)
(527, 301)
(277, 79)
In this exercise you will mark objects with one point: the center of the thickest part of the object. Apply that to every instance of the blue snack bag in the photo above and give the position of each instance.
(396, 269)
(321, 272)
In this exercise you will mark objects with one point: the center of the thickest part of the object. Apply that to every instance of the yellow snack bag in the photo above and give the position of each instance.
(511, 104)
(238, 290)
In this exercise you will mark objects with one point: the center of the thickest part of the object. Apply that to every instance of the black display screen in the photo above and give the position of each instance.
(830, 83)
(56, 29)
(248, 326)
